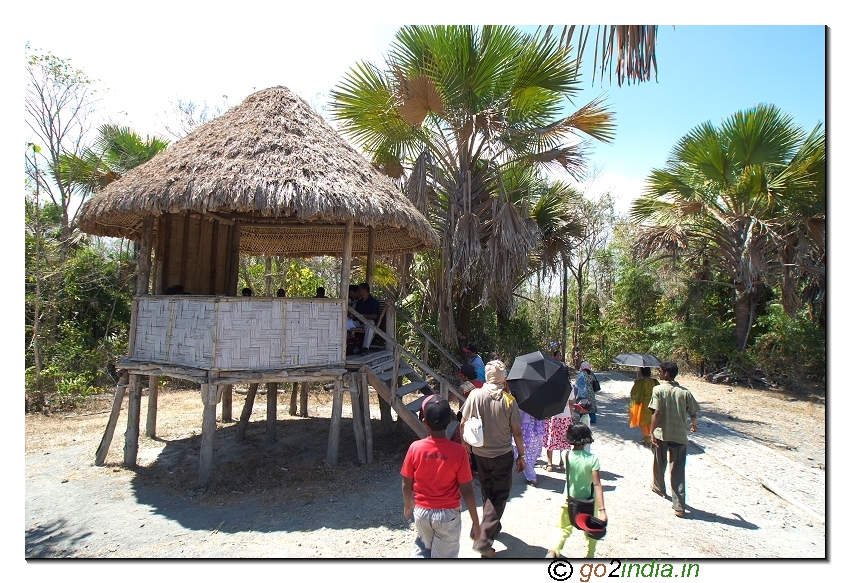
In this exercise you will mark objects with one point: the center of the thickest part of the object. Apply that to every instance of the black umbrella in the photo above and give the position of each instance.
(636, 359)
(540, 384)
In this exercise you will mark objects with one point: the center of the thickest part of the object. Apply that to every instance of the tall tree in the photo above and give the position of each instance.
(57, 105)
(750, 196)
(597, 217)
(466, 115)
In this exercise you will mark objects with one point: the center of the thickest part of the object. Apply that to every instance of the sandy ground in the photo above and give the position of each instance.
(281, 500)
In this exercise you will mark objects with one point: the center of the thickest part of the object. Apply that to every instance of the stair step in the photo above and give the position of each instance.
(411, 387)
(387, 375)
(415, 406)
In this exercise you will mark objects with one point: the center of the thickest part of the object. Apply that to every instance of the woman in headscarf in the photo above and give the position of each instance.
(640, 415)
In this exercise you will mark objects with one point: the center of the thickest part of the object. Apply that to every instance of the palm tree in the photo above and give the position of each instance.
(115, 151)
(467, 116)
(749, 196)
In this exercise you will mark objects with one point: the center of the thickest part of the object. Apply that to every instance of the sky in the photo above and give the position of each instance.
(705, 73)
(150, 54)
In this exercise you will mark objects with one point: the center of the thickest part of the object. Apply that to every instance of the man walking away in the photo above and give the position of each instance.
(500, 419)
(671, 405)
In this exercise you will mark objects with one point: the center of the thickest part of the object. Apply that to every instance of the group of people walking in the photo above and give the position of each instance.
(437, 472)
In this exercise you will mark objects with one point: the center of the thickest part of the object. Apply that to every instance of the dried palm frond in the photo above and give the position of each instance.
(508, 251)
(466, 250)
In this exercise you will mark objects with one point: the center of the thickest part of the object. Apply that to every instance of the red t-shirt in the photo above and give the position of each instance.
(437, 465)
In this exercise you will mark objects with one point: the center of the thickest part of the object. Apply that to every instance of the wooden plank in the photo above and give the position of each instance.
(159, 254)
(143, 273)
(304, 389)
(153, 397)
(208, 427)
(293, 401)
(184, 255)
(246, 411)
(233, 267)
(213, 288)
(336, 417)
(367, 417)
(370, 258)
(227, 404)
(134, 409)
(200, 260)
(357, 418)
(271, 412)
(345, 275)
(106, 440)
(383, 391)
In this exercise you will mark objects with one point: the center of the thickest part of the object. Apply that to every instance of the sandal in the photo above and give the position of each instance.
(549, 468)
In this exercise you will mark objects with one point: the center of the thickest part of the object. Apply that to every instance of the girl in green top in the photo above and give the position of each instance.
(584, 482)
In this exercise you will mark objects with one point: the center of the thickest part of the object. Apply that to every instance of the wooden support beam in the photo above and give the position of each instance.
(184, 254)
(271, 412)
(370, 258)
(106, 440)
(356, 417)
(143, 275)
(246, 411)
(304, 390)
(367, 416)
(158, 252)
(233, 270)
(227, 404)
(134, 409)
(153, 398)
(293, 401)
(336, 417)
(345, 275)
(210, 394)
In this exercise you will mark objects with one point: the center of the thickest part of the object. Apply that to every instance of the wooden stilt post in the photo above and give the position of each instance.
(336, 416)
(293, 400)
(367, 417)
(345, 273)
(103, 448)
(210, 394)
(134, 410)
(227, 404)
(271, 411)
(304, 388)
(356, 417)
(153, 398)
(246, 411)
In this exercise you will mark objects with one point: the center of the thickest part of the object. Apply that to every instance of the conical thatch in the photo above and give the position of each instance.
(276, 166)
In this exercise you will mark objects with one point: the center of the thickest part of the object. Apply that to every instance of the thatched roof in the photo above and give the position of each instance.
(270, 160)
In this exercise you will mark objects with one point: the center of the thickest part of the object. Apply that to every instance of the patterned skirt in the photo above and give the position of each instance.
(555, 433)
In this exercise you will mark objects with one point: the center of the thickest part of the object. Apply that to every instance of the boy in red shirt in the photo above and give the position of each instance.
(435, 474)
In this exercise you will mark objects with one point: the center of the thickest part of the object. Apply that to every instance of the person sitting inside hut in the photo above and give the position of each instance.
(246, 292)
(320, 292)
(369, 308)
(281, 293)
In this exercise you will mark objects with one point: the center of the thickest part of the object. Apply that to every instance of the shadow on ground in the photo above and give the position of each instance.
(285, 485)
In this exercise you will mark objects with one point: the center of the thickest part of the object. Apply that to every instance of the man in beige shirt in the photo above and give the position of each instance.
(500, 419)
(671, 405)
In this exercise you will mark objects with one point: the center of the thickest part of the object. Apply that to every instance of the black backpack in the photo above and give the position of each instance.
(596, 387)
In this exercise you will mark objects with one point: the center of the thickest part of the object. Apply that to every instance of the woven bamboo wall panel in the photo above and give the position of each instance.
(313, 332)
(238, 334)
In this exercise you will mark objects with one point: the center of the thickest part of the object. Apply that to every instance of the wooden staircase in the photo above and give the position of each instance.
(399, 376)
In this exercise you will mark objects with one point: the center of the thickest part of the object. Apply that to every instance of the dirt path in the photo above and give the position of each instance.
(281, 500)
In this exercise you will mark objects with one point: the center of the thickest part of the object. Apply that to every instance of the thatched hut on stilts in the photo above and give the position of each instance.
(269, 177)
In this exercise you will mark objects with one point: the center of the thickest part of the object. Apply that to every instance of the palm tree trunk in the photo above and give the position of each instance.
(565, 305)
